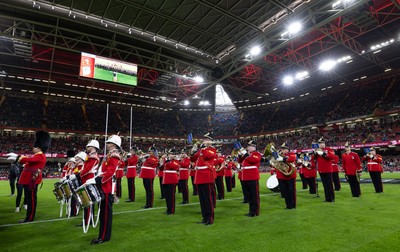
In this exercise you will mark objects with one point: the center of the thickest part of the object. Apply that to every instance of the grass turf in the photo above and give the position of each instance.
(369, 223)
(107, 75)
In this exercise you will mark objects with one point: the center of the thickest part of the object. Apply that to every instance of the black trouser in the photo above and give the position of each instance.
(106, 217)
(148, 186)
(31, 201)
(354, 185)
(86, 213)
(73, 206)
(20, 190)
(253, 196)
(303, 181)
(195, 187)
(214, 194)
(336, 181)
(12, 185)
(219, 182)
(228, 181)
(326, 179)
(289, 192)
(162, 188)
(233, 181)
(131, 188)
(312, 185)
(376, 180)
(206, 202)
(169, 190)
(183, 188)
(118, 188)
(245, 193)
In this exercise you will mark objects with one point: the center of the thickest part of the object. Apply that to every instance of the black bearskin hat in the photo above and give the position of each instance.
(42, 140)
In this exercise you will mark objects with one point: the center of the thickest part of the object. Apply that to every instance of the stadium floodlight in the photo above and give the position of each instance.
(255, 50)
(294, 28)
(186, 103)
(198, 79)
(301, 75)
(327, 65)
(288, 80)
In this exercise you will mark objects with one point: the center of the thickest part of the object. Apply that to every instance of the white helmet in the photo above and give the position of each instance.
(12, 156)
(115, 140)
(72, 160)
(93, 143)
(82, 155)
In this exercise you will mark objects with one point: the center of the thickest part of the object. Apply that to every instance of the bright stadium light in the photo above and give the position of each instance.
(288, 80)
(301, 75)
(255, 50)
(186, 103)
(327, 65)
(294, 27)
(198, 79)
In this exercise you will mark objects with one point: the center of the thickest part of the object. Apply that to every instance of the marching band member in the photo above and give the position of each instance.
(69, 166)
(204, 177)
(250, 162)
(324, 157)
(375, 169)
(108, 168)
(160, 173)
(335, 173)
(242, 153)
(184, 176)
(89, 169)
(118, 175)
(31, 174)
(80, 159)
(228, 173)
(301, 173)
(287, 183)
(131, 173)
(219, 164)
(170, 180)
(148, 173)
(352, 168)
(310, 173)
(192, 172)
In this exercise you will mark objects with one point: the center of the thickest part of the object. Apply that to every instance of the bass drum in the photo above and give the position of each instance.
(273, 183)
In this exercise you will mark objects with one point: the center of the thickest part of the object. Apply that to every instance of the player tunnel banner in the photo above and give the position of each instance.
(106, 69)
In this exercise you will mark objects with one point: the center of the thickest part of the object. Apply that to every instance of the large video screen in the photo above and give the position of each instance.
(105, 69)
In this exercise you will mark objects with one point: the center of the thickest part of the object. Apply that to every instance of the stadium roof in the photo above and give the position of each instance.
(174, 41)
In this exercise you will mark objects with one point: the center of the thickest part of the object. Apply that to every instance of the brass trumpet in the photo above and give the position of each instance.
(270, 152)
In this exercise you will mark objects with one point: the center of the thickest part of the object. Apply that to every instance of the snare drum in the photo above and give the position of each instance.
(58, 191)
(66, 188)
(87, 195)
(75, 182)
(273, 183)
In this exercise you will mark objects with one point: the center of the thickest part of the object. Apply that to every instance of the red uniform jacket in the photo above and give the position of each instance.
(171, 172)
(351, 163)
(228, 169)
(149, 166)
(374, 163)
(160, 173)
(184, 170)
(90, 167)
(120, 170)
(108, 170)
(300, 168)
(78, 168)
(131, 167)
(335, 166)
(204, 159)
(310, 171)
(290, 158)
(250, 166)
(67, 167)
(33, 167)
(324, 164)
(220, 161)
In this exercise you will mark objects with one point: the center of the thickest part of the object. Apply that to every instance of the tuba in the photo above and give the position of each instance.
(272, 154)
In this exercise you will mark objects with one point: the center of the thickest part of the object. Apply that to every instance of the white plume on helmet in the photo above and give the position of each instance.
(93, 143)
(82, 155)
(115, 140)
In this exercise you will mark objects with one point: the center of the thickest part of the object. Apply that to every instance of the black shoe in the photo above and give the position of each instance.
(97, 241)
(290, 208)
(129, 201)
(202, 221)
(208, 223)
(250, 215)
(162, 198)
(245, 201)
(184, 202)
(330, 201)
(146, 206)
(23, 221)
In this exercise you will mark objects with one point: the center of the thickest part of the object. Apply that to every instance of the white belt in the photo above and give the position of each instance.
(250, 167)
(201, 167)
(131, 166)
(146, 167)
(372, 163)
(169, 171)
(183, 169)
(120, 169)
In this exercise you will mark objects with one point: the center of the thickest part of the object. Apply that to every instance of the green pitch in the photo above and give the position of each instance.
(107, 75)
(369, 223)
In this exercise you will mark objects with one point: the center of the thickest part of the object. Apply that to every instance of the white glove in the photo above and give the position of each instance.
(90, 181)
(319, 152)
(242, 151)
(279, 159)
